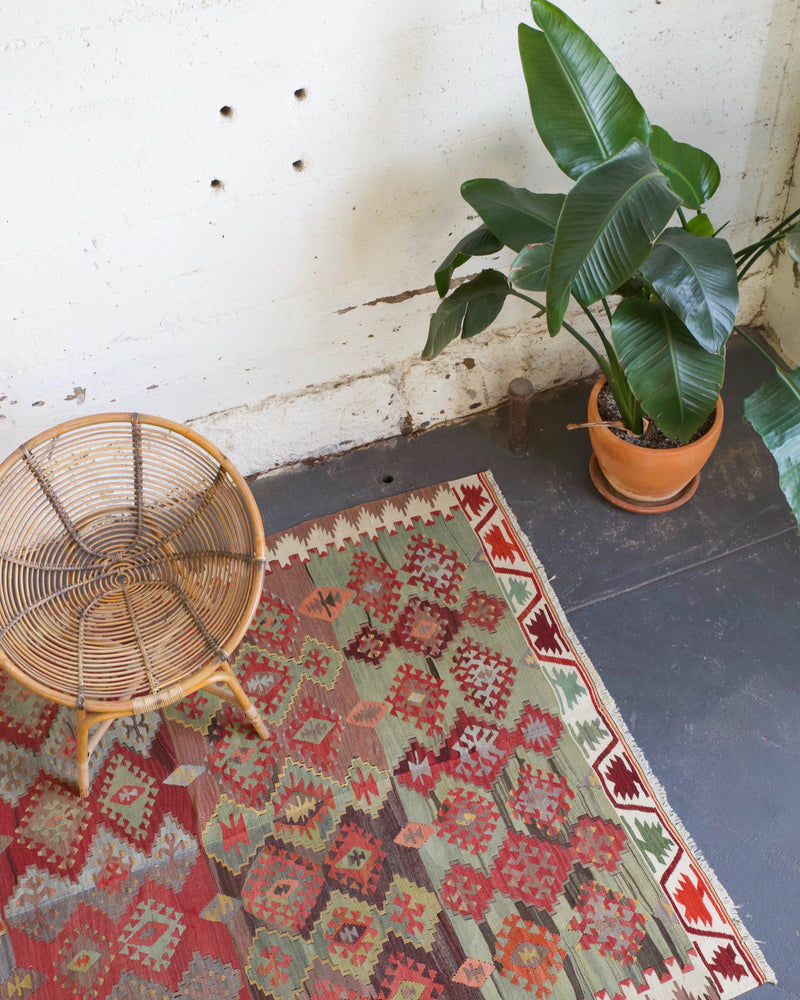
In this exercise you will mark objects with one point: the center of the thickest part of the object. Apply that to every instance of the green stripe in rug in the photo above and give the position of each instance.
(448, 806)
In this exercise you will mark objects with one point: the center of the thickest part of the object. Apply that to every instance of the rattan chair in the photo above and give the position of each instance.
(131, 563)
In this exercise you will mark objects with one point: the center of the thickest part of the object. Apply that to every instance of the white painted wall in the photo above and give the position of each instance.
(282, 312)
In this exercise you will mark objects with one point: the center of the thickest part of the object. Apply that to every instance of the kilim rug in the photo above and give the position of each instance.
(447, 807)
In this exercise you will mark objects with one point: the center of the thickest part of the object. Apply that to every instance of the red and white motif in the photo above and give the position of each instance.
(313, 733)
(467, 891)
(368, 645)
(407, 978)
(609, 922)
(539, 730)
(476, 751)
(434, 567)
(419, 769)
(418, 698)
(425, 627)
(274, 626)
(484, 610)
(484, 676)
(467, 820)
(376, 586)
(532, 871)
(541, 798)
(598, 842)
(356, 861)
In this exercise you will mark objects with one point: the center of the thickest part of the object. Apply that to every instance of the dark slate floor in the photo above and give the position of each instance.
(692, 618)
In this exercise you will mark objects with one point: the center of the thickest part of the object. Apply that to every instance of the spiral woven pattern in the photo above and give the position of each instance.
(131, 558)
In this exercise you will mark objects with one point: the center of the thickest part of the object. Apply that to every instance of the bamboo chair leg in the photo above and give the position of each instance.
(85, 746)
(82, 752)
(236, 696)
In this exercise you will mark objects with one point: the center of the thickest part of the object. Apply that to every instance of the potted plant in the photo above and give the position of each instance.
(630, 242)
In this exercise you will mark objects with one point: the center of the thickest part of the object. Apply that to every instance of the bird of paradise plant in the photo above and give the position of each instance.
(632, 237)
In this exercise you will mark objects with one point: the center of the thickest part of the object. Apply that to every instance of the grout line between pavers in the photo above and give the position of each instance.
(677, 572)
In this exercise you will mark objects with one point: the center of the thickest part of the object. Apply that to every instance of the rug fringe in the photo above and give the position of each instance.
(608, 702)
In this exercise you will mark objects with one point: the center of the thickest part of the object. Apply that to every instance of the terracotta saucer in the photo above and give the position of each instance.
(604, 487)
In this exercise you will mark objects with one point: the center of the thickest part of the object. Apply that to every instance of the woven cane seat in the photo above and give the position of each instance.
(131, 562)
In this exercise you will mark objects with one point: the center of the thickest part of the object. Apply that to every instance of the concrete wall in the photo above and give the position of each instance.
(265, 274)
(781, 312)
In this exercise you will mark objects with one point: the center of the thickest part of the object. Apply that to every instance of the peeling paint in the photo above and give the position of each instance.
(413, 292)
(78, 394)
(402, 296)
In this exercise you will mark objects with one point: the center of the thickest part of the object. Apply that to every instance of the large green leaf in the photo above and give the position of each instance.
(466, 311)
(479, 243)
(700, 225)
(676, 381)
(516, 216)
(610, 220)
(774, 411)
(531, 267)
(690, 171)
(696, 277)
(793, 242)
(583, 111)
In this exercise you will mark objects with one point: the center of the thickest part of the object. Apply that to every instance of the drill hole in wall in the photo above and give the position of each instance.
(226, 111)
(387, 479)
(299, 165)
(301, 93)
(217, 184)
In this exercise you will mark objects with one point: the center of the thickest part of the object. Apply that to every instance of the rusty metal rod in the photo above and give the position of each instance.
(520, 394)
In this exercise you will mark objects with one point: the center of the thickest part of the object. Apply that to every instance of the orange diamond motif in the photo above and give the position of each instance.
(367, 714)
(326, 603)
(473, 973)
(414, 835)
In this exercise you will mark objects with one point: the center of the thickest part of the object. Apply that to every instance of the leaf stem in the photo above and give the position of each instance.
(629, 407)
(601, 361)
(595, 323)
(783, 224)
(748, 255)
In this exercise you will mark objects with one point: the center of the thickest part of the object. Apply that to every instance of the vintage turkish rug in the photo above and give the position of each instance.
(447, 807)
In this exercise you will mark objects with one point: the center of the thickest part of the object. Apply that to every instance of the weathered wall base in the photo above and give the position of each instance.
(470, 376)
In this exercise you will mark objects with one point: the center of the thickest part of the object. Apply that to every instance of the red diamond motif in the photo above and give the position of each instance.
(127, 794)
(148, 934)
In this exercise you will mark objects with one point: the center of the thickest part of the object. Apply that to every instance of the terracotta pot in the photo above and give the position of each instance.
(652, 479)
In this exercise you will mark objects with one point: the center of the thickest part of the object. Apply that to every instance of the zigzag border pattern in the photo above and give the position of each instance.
(372, 520)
